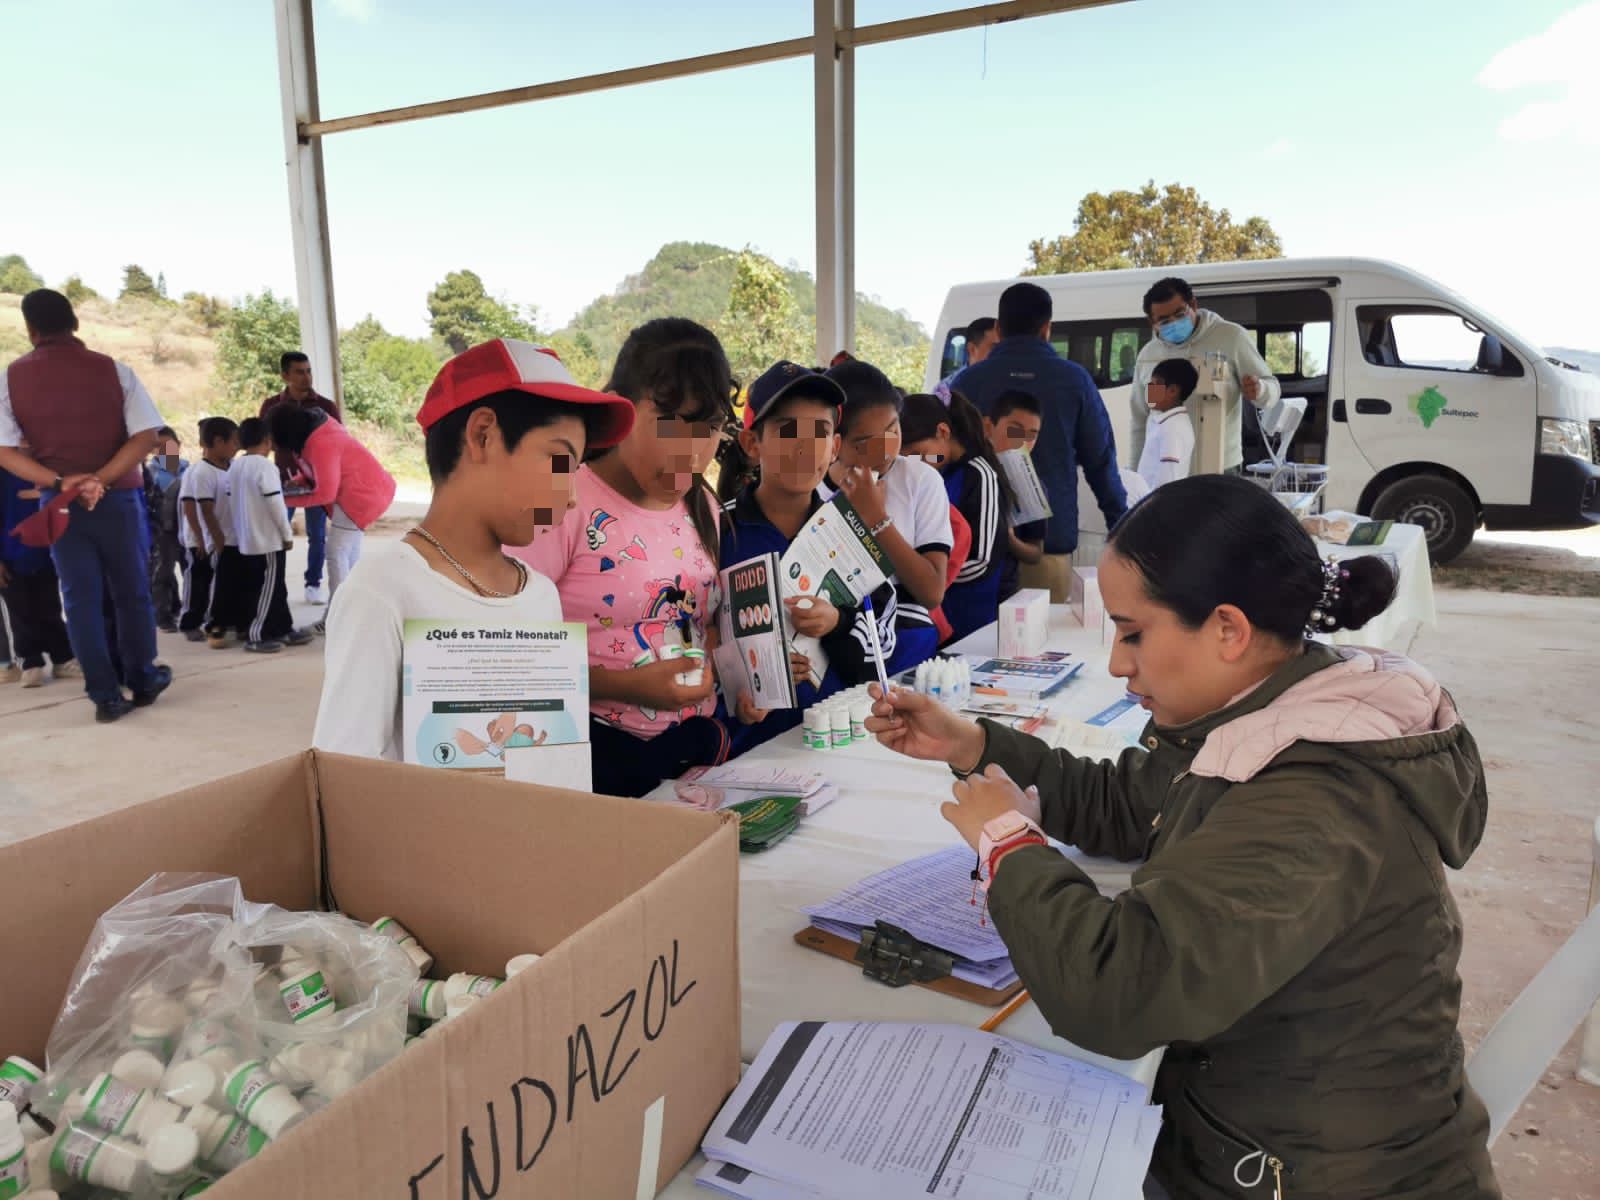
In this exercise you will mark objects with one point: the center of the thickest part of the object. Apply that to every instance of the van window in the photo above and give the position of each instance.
(1420, 337)
(1298, 353)
(1105, 349)
(955, 352)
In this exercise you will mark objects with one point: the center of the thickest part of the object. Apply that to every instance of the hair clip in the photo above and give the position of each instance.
(1322, 619)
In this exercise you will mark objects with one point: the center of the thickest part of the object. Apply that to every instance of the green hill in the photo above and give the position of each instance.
(693, 279)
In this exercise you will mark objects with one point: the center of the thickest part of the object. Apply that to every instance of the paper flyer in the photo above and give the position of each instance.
(759, 630)
(1025, 486)
(472, 692)
(834, 555)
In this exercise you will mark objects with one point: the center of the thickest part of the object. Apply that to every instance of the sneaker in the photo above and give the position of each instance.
(320, 628)
(32, 677)
(219, 640)
(10, 673)
(266, 646)
(299, 637)
(316, 594)
(195, 635)
(167, 626)
(67, 670)
(112, 710)
(163, 680)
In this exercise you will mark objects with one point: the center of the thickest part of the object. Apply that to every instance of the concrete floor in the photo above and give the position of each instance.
(1522, 669)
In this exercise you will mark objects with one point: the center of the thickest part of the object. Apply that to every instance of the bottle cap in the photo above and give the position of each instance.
(190, 1083)
(172, 1148)
(520, 964)
(138, 1068)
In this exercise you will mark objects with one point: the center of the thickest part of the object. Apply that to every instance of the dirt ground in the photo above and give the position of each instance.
(1515, 644)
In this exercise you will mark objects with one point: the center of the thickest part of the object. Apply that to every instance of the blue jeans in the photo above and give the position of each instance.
(316, 543)
(106, 553)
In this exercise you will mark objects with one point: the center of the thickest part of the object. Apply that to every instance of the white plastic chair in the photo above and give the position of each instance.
(1533, 1030)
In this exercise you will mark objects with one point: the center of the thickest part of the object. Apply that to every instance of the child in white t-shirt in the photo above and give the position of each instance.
(1169, 437)
(262, 533)
(505, 428)
(203, 521)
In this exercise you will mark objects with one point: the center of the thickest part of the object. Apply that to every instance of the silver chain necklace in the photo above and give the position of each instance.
(522, 570)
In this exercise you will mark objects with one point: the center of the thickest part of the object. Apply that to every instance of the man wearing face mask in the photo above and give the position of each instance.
(1185, 331)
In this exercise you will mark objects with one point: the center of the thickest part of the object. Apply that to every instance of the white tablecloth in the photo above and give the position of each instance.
(1407, 547)
(887, 812)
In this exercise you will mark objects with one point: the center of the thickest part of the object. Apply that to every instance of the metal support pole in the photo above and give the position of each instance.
(834, 71)
(1589, 1051)
(308, 202)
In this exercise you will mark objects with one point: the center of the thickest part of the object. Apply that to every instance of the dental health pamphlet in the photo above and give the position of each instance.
(473, 696)
(752, 654)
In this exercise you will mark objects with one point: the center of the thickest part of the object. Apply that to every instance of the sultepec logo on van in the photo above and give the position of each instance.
(1430, 404)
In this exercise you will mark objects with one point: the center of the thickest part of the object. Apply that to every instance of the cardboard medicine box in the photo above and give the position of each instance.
(1084, 598)
(592, 1074)
(1024, 623)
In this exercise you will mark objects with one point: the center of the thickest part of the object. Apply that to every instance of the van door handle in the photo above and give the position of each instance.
(1339, 413)
(1369, 407)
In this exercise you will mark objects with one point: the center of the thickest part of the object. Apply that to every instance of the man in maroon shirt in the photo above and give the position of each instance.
(75, 420)
(297, 390)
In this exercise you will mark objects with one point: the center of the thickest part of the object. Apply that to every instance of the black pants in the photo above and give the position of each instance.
(625, 765)
(228, 594)
(199, 572)
(37, 628)
(166, 564)
(264, 597)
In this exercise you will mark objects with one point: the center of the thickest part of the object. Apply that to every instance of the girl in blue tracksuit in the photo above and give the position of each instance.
(950, 437)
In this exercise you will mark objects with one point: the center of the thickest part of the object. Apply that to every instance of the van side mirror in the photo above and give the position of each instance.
(1491, 355)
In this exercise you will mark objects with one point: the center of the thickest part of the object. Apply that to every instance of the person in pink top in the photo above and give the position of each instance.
(341, 475)
(636, 560)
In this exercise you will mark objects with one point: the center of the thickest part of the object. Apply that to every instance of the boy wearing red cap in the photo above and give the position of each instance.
(505, 428)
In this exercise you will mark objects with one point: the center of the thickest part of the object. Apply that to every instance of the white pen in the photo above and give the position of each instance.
(877, 646)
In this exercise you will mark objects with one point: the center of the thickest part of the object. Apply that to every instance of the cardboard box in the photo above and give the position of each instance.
(1085, 600)
(592, 1074)
(1024, 623)
(1052, 573)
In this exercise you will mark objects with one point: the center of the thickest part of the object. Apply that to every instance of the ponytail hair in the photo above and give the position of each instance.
(865, 388)
(680, 366)
(924, 413)
(735, 469)
(1211, 540)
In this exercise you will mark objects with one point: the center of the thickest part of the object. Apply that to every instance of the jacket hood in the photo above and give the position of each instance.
(1387, 712)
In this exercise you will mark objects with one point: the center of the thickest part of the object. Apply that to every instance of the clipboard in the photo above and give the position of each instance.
(835, 946)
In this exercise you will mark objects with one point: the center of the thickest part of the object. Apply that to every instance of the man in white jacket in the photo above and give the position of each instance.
(1184, 331)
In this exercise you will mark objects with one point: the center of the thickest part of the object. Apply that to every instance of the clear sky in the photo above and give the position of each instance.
(1464, 143)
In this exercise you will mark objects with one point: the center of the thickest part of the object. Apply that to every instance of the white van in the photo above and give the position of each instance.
(1423, 407)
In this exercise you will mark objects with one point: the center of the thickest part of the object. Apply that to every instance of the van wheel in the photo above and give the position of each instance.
(1447, 514)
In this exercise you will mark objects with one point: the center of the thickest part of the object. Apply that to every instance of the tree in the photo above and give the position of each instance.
(385, 375)
(137, 284)
(1153, 227)
(16, 276)
(904, 365)
(464, 314)
(577, 354)
(77, 291)
(254, 333)
(762, 323)
(208, 312)
(161, 285)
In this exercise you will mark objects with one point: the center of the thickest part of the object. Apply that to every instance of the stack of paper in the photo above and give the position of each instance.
(718, 787)
(931, 898)
(880, 1111)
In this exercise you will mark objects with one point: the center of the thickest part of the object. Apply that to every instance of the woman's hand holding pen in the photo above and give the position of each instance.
(920, 727)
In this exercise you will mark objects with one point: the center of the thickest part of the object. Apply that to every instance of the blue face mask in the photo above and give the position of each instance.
(1175, 333)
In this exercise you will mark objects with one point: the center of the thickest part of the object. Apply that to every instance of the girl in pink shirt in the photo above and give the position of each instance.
(343, 476)
(637, 561)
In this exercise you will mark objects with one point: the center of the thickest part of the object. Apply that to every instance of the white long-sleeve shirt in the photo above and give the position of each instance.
(1168, 447)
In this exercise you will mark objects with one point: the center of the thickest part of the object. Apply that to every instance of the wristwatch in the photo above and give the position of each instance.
(1002, 834)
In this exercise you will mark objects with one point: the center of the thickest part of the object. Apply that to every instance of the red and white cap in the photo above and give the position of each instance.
(507, 365)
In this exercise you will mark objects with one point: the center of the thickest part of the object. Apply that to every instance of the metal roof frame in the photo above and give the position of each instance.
(832, 46)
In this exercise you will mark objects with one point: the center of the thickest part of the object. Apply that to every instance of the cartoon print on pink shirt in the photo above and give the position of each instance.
(599, 521)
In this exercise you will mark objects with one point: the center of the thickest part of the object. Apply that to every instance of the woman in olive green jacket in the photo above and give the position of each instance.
(1290, 935)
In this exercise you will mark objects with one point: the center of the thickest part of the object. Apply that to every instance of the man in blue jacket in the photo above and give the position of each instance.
(1076, 432)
